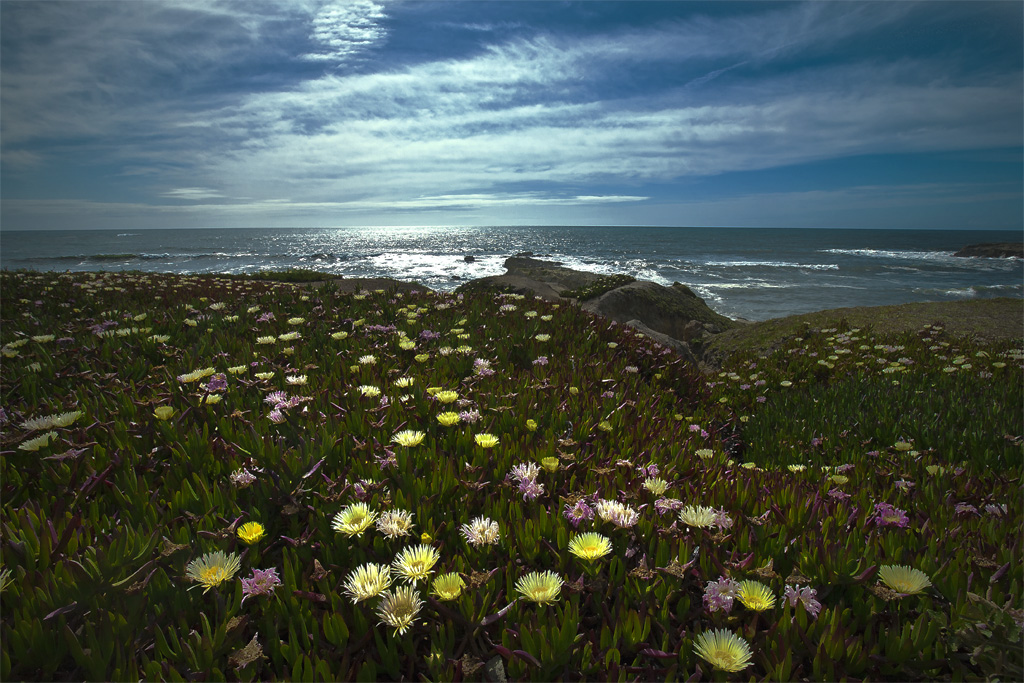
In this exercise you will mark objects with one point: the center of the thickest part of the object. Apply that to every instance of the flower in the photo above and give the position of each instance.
(354, 519)
(618, 514)
(367, 581)
(718, 595)
(447, 586)
(578, 512)
(755, 596)
(416, 562)
(264, 375)
(481, 531)
(369, 390)
(805, 595)
(590, 546)
(398, 609)
(540, 587)
(338, 336)
(887, 515)
(262, 582)
(542, 337)
(395, 523)
(242, 478)
(408, 438)
(298, 380)
(446, 396)
(213, 569)
(724, 650)
(50, 421)
(251, 532)
(448, 419)
(531, 425)
(404, 382)
(486, 440)
(195, 375)
(38, 442)
(904, 580)
(697, 516)
(237, 369)
(368, 359)
(655, 485)
(704, 453)
(164, 412)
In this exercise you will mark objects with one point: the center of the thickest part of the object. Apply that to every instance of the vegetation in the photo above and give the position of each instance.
(209, 478)
(602, 285)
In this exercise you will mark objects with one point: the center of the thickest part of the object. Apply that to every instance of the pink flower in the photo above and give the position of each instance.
(806, 595)
(887, 515)
(718, 595)
(262, 582)
(578, 512)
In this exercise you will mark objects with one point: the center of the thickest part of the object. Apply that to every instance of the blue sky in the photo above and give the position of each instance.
(366, 112)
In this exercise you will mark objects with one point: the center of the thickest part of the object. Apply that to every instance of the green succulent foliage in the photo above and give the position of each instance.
(600, 286)
(794, 450)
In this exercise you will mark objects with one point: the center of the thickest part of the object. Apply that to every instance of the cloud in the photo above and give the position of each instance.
(346, 28)
(192, 193)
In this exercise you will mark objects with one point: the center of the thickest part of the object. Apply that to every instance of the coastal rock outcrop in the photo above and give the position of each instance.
(673, 316)
(993, 250)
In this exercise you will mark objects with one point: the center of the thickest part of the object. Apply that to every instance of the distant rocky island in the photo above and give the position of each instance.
(993, 250)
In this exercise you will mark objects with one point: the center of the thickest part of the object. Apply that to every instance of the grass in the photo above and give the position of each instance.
(147, 418)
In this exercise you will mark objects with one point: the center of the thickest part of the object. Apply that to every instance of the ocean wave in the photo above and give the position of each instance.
(891, 254)
(772, 264)
(973, 291)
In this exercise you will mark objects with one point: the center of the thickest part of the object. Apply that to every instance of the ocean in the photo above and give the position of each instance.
(746, 273)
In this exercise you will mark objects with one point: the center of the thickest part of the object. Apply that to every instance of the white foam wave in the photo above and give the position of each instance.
(773, 264)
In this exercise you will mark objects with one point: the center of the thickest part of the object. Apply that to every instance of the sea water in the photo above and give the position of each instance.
(747, 273)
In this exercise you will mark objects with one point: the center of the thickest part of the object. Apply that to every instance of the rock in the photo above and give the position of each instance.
(993, 250)
(469, 258)
(495, 670)
(680, 347)
(669, 310)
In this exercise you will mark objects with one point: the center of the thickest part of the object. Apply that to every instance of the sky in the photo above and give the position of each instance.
(308, 113)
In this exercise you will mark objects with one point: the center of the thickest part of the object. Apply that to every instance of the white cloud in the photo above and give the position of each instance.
(192, 193)
(346, 28)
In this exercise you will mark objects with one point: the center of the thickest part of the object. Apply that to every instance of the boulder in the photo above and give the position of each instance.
(680, 347)
(675, 311)
(993, 250)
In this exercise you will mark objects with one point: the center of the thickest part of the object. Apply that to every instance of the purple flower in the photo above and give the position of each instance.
(996, 510)
(718, 595)
(722, 520)
(965, 509)
(276, 416)
(262, 582)
(838, 494)
(266, 317)
(530, 489)
(540, 360)
(663, 505)
(578, 512)
(218, 382)
(806, 595)
(762, 399)
(887, 515)
(387, 460)
(242, 478)
(469, 416)
(694, 428)
(608, 394)
(276, 398)
(428, 335)
(902, 484)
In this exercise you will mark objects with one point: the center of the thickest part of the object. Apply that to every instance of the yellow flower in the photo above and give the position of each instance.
(354, 519)
(590, 546)
(486, 440)
(656, 485)
(264, 375)
(902, 579)
(399, 608)
(604, 426)
(697, 516)
(446, 396)
(251, 532)
(755, 596)
(395, 523)
(39, 442)
(237, 369)
(448, 586)
(404, 382)
(339, 335)
(368, 581)
(549, 463)
(407, 345)
(839, 479)
(531, 425)
(421, 357)
(542, 337)
(369, 390)
(448, 419)
(540, 587)
(724, 650)
(416, 562)
(213, 569)
(195, 375)
(295, 379)
(408, 438)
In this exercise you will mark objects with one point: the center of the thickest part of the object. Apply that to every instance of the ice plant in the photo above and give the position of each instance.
(618, 514)
(724, 650)
(354, 519)
(447, 586)
(540, 587)
(262, 582)
(163, 413)
(38, 442)
(904, 580)
(395, 523)
(719, 595)
(481, 531)
(578, 512)
(486, 440)
(415, 563)
(367, 581)
(755, 596)
(213, 569)
(446, 396)
(590, 546)
(805, 595)
(408, 438)
(697, 516)
(448, 419)
(656, 485)
(397, 609)
(251, 532)
(887, 515)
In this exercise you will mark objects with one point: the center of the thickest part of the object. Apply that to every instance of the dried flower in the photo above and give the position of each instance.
(242, 478)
